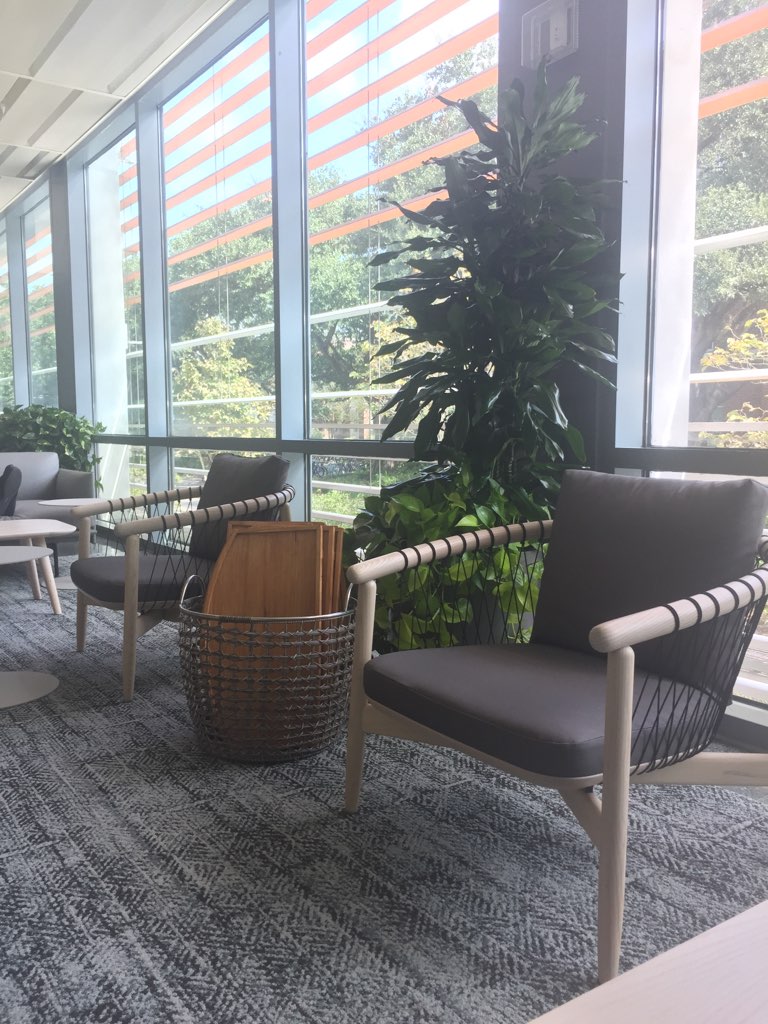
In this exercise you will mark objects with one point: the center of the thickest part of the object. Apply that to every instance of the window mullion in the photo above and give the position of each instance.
(289, 211)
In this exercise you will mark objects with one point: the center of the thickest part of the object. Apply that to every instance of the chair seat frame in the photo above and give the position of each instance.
(604, 820)
(137, 622)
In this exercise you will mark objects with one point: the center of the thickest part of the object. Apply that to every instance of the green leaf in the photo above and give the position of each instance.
(385, 257)
(468, 522)
(408, 501)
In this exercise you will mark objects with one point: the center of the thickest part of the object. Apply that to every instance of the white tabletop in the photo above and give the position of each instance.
(69, 502)
(716, 978)
(20, 687)
(14, 555)
(10, 529)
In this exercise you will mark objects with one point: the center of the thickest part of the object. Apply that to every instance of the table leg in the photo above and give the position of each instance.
(34, 582)
(50, 582)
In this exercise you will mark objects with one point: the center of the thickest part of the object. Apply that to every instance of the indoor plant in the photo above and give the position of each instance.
(43, 428)
(503, 288)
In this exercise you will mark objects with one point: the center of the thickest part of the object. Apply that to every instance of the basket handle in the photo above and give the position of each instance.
(187, 582)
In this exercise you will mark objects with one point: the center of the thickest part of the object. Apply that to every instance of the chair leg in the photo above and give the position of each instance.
(82, 620)
(611, 883)
(366, 604)
(130, 634)
(355, 758)
(615, 807)
(130, 614)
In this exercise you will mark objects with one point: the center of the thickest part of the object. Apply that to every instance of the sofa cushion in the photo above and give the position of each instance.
(38, 472)
(537, 707)
(621, 544)
(234, 478)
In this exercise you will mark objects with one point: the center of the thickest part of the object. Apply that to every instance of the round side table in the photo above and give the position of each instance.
(34, 532)
(21, 687)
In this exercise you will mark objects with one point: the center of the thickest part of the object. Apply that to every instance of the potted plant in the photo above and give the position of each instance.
(43, 428)
(503, 288)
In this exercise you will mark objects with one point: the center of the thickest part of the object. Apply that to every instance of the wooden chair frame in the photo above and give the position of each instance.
(604, 820)
(137, 622)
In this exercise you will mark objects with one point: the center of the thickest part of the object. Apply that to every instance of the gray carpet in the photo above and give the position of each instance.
(142, 881)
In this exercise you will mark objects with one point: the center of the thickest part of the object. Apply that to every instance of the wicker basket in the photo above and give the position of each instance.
(265, 689)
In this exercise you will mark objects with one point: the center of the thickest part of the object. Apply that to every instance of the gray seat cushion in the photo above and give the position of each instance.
(540, 708)
(160, 579)
(234, 478)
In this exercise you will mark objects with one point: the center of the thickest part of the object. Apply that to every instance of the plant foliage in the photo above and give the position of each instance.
(431, 606)
(42, 428)
(503, 290)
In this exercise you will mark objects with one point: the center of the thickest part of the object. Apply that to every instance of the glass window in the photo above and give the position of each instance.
(6, 353)
(115, 293)
(374, 72)
(218, 209)
(122, 470)
(341, 484)
(710, 363)
(41, 331)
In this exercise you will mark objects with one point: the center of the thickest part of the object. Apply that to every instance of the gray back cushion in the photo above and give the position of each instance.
(235, 478)
(38, 472)
(621, 544)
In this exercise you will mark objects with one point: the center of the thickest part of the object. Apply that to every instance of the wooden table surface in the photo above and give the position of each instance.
(11, 529)
(719, 977)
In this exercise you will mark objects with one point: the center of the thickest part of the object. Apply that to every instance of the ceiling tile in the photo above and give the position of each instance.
(23, 161)
(10, 188)
(72, 120)
(26, 26)
(65, 64)
(138, 36)
(25, 106)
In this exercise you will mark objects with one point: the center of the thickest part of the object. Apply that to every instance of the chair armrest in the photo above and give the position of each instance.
(445, 547)
(135, 501)
(74, 483)
(159, 524)
(671, 618)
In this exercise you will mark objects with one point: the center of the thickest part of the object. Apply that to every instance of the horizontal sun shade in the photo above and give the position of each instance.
(363, 71)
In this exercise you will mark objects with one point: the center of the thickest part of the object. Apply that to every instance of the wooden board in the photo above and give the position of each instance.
(268, 570)
(339, 582)
(327, 570)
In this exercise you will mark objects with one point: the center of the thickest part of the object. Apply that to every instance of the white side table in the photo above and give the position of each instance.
(63, 503)
(21, 687)
(33, 532)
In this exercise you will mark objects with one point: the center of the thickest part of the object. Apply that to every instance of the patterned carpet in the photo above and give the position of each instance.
(144, 882)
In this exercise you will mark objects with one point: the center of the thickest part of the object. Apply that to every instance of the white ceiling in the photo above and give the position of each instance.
(64, 64)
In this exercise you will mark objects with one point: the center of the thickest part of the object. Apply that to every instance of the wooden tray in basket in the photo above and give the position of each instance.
(277, 569)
